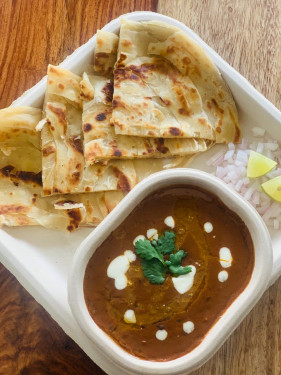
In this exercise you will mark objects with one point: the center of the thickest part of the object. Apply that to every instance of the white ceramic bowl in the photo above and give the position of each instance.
(230, 319)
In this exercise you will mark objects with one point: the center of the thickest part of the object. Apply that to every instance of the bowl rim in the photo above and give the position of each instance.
(229, 319)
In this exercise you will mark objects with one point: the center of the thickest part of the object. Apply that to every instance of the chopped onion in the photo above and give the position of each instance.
(231, 167)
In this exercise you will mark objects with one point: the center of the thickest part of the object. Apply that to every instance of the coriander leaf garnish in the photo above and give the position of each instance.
(154, 267)
(175, 259)
(174, 264)
(154, 270)
(166, 243)
(179, 270)
(146, 250)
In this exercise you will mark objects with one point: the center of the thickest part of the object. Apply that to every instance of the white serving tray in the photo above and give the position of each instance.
(40, 258)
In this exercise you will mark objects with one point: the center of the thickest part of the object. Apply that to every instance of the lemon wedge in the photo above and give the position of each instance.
(273, 188)
(259, 165)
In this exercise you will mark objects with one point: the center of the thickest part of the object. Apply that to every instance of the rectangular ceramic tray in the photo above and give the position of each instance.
(40, 258)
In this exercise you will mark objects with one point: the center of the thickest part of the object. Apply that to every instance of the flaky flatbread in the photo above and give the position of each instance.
(152, 39)
(191, 60)
(21, 200)
(18, 136)
(105, 52)
(100, 141)
(64, 170)
(151, 97)
(21, 204)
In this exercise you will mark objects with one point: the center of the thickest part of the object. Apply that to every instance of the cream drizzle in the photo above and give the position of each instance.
(161, 334)
(188, 327)
(225, 257)
(130, 317)
(208, 227)
(170, 222)
(184, 282)
(152, 234)
(118, 268)
(223, 276)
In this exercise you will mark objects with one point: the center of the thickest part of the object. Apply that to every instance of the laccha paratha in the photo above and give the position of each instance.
(151, 97)
(156, 39)
(102, 144)
(105, 52)
(17, 136)
(64, 169)
(21, 202)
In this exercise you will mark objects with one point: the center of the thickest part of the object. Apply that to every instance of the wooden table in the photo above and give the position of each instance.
(33, 33)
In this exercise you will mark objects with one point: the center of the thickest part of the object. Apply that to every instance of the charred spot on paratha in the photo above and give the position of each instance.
(101, 116)
(48, 150)
(87, 127)
(118, 103)
(123, 182)
(60, 114)
(108, 91)
(126, 74)
(175, 131)
(76, 143)
(29, 177)
(6, 170)
(76, 175)
(122, 57)
(75, 217)
(184, 111)
(160, 146)
(117, 153)
(57, 190)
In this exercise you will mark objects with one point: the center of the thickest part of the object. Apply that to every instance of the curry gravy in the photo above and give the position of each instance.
(162, 307)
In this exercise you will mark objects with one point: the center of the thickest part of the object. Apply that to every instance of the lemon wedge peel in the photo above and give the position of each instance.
(272, 188)
(259, 165)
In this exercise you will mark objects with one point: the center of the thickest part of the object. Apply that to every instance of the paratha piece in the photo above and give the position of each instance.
(105, 52)
(191, 60)
(102, 144)
(21, 201)
(96, 87)
(146, 167)
(135, 37)
(161, 39)
(18, 137)
(62, 157)
(153, 99)
(64, 170)
(63, 84)
(21, 204)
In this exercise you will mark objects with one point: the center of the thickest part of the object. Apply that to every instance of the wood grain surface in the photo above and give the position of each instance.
(33, 33)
